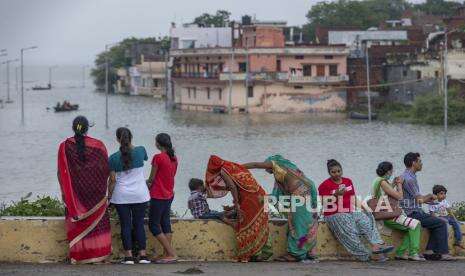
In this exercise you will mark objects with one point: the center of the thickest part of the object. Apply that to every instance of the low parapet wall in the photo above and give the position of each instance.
(43, 239)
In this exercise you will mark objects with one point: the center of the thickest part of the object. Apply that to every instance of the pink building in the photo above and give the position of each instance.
(281, 78)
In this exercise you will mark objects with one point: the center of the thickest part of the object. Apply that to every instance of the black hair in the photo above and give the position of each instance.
(125, 137)
(383, 168)
(410, 157)
(80, 128)
(164, 141)
(439, 188)
(333, 163)
(195, 183)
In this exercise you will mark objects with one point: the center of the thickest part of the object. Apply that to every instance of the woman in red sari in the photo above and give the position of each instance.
(83, 172)
(252, 230)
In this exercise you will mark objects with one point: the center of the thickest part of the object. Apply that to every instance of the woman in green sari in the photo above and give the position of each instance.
(302, 222)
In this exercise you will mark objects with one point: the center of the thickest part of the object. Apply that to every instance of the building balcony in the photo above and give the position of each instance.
(317, 79)
(197, 75)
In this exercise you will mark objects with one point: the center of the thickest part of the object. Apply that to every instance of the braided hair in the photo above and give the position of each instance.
(80, 128)
(124, 137)
(164, 141)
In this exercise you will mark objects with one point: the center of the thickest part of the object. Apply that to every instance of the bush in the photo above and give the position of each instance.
(458, 209)
(43, 206)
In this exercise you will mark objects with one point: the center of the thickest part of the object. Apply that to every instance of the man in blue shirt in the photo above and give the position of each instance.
(437, 247)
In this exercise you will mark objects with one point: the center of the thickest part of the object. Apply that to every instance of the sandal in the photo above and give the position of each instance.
(286, 258)
(166, 261)
(384, 249)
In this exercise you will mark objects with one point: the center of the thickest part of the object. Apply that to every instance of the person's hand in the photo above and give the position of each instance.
(239, 214)
(398, 181)
(340, 191)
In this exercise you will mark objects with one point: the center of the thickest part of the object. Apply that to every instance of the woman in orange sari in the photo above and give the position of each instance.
(252, 230)
(83, 172)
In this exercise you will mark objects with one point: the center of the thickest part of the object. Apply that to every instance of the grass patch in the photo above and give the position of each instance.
(45, 206)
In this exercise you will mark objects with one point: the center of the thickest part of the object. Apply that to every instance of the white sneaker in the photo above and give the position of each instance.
(144, 260)
(416, 258)
(128, 261)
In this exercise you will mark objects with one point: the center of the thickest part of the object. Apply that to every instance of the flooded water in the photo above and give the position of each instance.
(28, 153)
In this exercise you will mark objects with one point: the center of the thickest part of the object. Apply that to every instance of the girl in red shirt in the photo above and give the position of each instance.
(347, 223)
(161, 185)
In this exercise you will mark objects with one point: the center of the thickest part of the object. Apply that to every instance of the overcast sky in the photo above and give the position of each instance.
(72, 32)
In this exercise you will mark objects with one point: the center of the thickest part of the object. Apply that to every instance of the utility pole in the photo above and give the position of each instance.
(8, 100)
(231, 81)
(246, 77)
(445, 89)
(22, 81)
(368, 82)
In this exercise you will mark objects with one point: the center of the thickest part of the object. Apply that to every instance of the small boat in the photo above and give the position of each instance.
(219, 110)
(48, 87)
(362, 116)
(62, 109)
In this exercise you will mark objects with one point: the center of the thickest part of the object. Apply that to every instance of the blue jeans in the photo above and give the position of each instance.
(132, 216)
(212, 215)
(438, 239)
(159, 216)
(456, 226)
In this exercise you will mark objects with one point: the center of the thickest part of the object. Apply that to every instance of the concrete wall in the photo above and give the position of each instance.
(43, 239)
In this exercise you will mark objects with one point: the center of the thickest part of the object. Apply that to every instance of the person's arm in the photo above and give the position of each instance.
(425, 198)
(59, 182)
(153, 172)
(111, 183)
(235, 194)
(258, 165)
(397, 194)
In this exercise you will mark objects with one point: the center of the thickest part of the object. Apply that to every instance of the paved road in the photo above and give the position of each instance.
(221, 268)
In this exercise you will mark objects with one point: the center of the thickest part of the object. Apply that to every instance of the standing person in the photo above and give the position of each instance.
(83, 173)
(443, 211)
(347, 223)
(252, 229)
(302, 224)
(410, 227)
(161, 185)
(129, 193)
(437, 247)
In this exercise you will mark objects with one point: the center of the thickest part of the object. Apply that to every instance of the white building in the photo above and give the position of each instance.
(193, 36)
(354, 39)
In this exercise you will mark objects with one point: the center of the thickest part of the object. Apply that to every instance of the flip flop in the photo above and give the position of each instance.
(166, 261)
(286, 259)
(385, 249)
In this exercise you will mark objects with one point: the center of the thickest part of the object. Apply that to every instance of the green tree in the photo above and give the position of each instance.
(220, 19)
(438, 7)
(361, 14)
(118, 58)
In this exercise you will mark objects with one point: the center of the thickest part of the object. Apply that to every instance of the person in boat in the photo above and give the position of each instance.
(302, 222)
(66, 105)
(83, 172)
(252, 229)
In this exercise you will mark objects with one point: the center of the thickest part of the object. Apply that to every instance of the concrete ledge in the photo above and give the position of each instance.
(43, 239)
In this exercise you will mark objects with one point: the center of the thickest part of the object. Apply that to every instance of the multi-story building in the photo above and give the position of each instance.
(260, 74)
(148, 77)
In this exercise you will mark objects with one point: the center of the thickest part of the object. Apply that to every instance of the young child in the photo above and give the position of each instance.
(198, 204)
(443, 211)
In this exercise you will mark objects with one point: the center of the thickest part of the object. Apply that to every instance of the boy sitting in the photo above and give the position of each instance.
(442, 210)
(198, 204)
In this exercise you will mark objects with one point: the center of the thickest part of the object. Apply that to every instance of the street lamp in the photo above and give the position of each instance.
(22, 81)
(445, 84)
(50, 75)
(3, 53)
(8, 100)
(107, 47)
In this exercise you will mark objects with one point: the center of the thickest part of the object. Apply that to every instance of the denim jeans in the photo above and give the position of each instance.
(159, 216)
(212, 215)
(456, 226)
(132, 216)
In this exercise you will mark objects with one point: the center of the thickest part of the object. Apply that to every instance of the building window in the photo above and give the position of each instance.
(307, 70)
(242, 67)
(195, 92)
(278, 65)
(328, 57)
(220, 94)
(418, 75)
(155, 83)
(143, 82)
(298, 87)
(320, 70)
(333, 69)
(208, 93)
(250, 91)
(299, 57)
(189, 92)
(436, 74)
(404, 72)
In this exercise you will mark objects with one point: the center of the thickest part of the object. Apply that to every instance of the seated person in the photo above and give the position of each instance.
(198, 204)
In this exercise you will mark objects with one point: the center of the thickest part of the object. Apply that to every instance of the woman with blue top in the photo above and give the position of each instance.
(129, 193)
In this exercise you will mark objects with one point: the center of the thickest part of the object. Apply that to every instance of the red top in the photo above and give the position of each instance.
(330, 203)
(163, 182)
